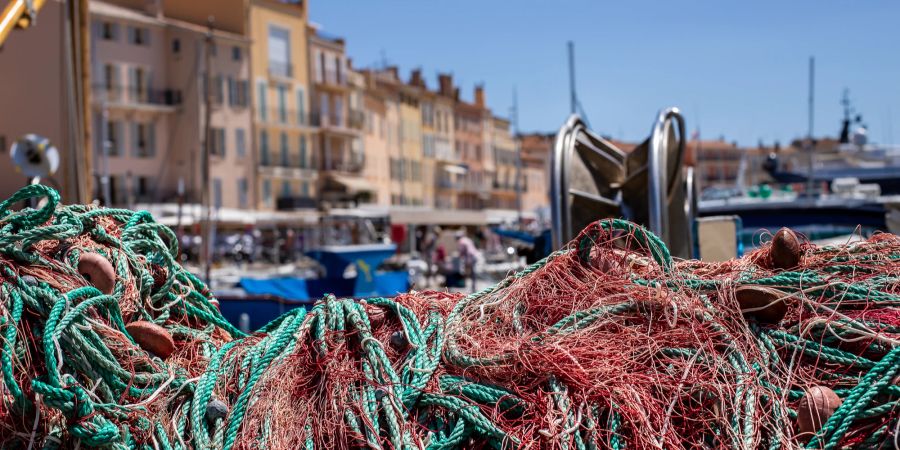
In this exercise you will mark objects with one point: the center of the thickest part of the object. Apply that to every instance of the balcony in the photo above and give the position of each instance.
(288, 117)
(121, 95)
(332, 78)
(281, 70)
(352, 165)
(337, 124)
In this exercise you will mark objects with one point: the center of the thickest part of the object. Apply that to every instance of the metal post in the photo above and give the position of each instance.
(105, 191)
(515, 123)
(206, 201)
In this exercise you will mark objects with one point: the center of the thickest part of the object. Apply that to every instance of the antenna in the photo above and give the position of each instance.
(573, 98)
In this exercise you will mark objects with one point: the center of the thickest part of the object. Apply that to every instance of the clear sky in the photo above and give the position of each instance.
(736, 68)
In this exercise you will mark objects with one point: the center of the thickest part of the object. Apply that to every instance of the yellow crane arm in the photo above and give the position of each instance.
(18, 13)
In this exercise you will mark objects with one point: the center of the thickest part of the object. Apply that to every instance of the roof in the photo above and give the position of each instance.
(118, 12)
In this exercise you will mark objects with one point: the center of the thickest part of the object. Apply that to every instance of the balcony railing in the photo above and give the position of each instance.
(289, 117)
(292, 162)
(332, 77)
(352, 165)
(139, 96)
(279, 69)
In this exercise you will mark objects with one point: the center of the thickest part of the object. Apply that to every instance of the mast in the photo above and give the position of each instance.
(810, 185)
(518, 149)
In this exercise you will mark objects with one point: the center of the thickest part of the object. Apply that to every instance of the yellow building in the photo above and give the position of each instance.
(504, 187)
(285, 130)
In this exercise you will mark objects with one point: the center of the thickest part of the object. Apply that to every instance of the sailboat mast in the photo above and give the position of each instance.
(809, 135)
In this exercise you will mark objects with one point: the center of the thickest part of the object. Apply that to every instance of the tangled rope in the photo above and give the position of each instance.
(607, 343)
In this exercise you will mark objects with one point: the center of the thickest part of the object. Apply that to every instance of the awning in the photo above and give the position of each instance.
(455, 169)
(353, 185)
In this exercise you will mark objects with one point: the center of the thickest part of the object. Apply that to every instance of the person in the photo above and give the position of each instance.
(429, 245)
(468, 256)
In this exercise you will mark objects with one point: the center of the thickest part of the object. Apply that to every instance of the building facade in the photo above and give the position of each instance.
(286, 134)
(335, 104)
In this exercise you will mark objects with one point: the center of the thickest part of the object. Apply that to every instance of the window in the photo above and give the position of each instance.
(217, 145)
(285, 156)
(141, 188)
(304, 189)
(217, 192)
(279, 51)
(137, 83)
(236, 53)
(237, 92)
(240, 142)
(112, 143)
(267, 192)
(243, 193)
(109, 31)
(301, 106)
(218, 90)
(339, 111)
(111, 84)
(176, 45)
(138, 36)
(323, 107)
(264, 148)
(143, 136)
(282, 104)
(261, 94)
(285, 188)
(303, 164)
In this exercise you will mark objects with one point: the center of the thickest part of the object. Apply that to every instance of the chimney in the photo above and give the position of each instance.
(445, 82)
(479, 95)
(456, 94)
(395, 74)
(415, 78)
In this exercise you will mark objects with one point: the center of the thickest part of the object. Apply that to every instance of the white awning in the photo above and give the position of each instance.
(454, 169)
(353, 185)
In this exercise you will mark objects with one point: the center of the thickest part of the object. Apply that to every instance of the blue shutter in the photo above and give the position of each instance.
(301, 107)
(261, 88)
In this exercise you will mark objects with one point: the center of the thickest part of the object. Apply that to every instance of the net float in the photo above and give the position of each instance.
(815, 408)
(785, 250)
(97, 271)
(765, 304)
(152, 338)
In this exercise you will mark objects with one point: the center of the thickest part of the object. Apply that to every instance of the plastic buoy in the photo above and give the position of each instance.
(152, 338)
(97, 271)
(765, 304)
(815, 408)
(215, 410)
(785, 251)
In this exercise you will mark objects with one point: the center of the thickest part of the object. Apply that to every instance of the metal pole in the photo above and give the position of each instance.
(573, 100)
(206, 249)
(105, 191)
(515, 124)
(810, 187)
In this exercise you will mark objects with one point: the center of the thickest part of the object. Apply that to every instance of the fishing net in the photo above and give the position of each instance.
(609, 343)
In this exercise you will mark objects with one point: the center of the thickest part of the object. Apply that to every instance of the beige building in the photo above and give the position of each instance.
(504, 185)
(447, 162)
(535, 149)
(285, 129)
(335, 105)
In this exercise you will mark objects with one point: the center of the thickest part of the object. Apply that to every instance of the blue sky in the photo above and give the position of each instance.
(738, 69)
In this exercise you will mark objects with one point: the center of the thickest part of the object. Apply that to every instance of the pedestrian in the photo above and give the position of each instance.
(468, 255)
